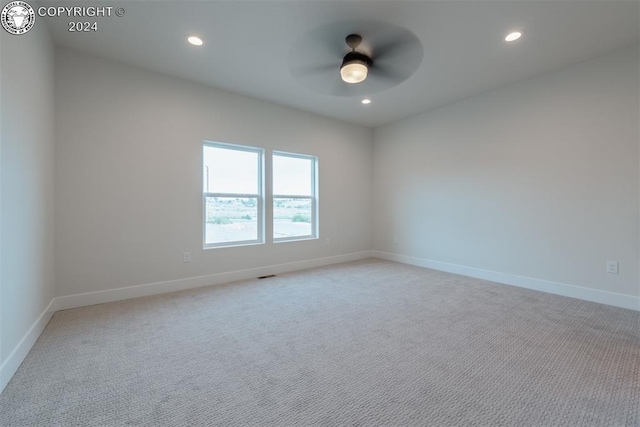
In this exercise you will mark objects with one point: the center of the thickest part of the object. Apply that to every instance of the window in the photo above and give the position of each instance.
(295, 202)
(232, 188)
(233, 195)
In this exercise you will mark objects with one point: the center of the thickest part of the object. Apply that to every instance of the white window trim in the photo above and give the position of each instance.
(313, 197)
(260, 197)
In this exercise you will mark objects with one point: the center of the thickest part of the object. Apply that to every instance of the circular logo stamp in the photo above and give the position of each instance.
(18, 17)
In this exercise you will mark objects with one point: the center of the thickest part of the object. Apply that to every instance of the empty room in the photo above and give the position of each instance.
(319, 213)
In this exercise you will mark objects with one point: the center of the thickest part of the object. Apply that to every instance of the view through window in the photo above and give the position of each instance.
(234, 201)
(232, 194)
(294, 196)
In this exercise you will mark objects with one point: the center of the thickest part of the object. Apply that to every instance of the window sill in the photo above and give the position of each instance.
(295, 239)
(231, 245)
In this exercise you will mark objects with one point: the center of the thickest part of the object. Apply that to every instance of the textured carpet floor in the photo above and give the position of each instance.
(359, 344)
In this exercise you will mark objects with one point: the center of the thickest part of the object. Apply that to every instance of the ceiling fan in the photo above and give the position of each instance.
(376, 56)
(355, 65)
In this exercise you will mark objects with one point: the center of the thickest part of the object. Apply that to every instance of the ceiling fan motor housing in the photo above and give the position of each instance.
(358, 57)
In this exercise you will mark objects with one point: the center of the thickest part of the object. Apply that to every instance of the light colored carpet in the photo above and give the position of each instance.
(358, 344)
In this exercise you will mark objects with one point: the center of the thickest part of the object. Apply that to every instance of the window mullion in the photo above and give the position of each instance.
(236, 195)
(290, 196)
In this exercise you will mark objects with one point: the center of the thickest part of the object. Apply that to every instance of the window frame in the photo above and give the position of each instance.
(260, 238)
(313, 197)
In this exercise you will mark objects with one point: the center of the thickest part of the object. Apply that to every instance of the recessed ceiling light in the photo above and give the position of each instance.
(513, 36)
(196, 41)
(366, 101)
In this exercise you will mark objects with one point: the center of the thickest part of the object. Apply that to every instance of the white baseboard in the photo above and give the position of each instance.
(15, 359)
(110, 295)
(593, 295)
(11, 365)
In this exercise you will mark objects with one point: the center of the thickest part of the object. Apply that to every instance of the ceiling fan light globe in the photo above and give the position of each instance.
(354, 72)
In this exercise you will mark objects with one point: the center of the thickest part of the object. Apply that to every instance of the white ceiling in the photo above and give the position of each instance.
(248, 45)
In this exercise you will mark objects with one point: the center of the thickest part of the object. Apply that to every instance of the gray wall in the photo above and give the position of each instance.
(538, 179)
(129, 183)
(26, 183)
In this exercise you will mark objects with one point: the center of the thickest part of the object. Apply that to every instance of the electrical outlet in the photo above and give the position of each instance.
(612, 267)
(327, 241)
(186, 257)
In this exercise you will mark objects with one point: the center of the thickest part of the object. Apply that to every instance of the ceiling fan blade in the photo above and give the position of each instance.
(325, 80)
(397, 59)
(388, 72)
(315, 57)
(385, 48)
(309, 69)
(329, 43)
(396, 50)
